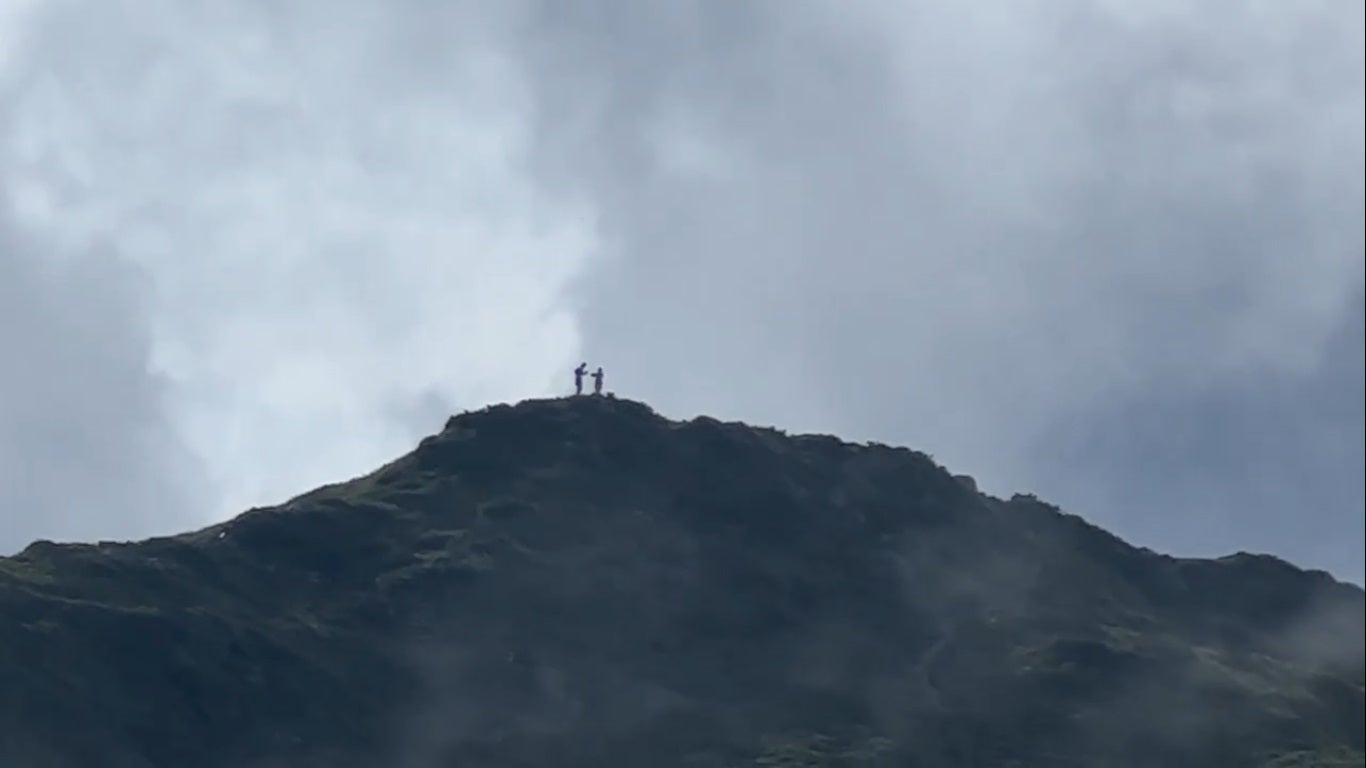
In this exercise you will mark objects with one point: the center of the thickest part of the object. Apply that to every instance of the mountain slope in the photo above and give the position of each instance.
(584, 583)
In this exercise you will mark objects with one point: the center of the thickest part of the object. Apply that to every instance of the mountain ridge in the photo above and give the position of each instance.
(586, 579)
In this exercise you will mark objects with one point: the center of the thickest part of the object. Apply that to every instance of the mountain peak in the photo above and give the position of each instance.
(558, 410)
(581, 581)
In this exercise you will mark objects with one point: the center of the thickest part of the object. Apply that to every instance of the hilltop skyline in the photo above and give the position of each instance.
(583, 582)
(1110, 255)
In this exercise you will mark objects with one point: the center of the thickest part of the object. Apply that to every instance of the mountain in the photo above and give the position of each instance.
(581, 582)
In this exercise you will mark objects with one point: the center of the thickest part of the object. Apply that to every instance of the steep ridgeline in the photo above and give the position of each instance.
(577, 583)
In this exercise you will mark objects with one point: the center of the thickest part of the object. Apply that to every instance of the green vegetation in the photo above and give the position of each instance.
(583, 583)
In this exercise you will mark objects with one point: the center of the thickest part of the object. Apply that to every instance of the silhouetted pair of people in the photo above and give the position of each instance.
(582, 371)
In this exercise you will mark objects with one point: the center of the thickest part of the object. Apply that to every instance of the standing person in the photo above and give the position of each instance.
(597, 381)
(578, 378)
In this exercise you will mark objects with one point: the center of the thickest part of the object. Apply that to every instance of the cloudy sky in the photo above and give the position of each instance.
(1107, 252)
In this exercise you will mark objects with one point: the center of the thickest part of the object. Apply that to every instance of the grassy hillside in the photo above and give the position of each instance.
(584, 583)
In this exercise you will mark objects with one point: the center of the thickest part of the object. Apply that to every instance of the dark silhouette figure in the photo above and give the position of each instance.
(578, 378)
(597, 381)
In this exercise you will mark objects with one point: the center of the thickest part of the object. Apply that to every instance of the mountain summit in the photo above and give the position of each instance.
(581, 582)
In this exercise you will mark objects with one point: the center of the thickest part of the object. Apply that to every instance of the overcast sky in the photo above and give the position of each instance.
(1107, 252)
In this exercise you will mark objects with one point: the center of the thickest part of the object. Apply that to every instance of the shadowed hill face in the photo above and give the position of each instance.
(584, 583)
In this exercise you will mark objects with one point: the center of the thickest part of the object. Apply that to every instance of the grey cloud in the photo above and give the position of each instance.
(1276, 458)
(1036, 239)
(984, 234)
(87, 450)
(326, 200)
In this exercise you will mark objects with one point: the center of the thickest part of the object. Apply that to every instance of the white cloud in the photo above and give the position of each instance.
(326, 236)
